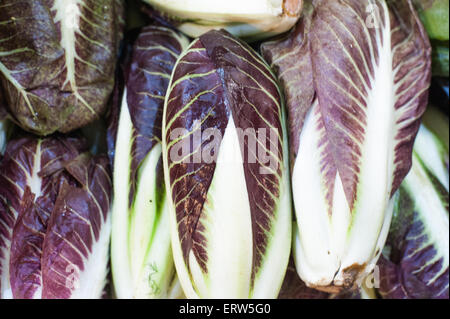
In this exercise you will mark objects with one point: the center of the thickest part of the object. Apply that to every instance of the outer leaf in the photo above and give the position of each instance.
(250, 19)
(30, 172)
(230, 221)
(291, 61)
(370, 65)
(141, 257)
(76, 246)
(54, 220)
(57, 61)
(26, 245)
(415, 262)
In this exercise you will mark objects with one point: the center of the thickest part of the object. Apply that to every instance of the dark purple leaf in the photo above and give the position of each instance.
(356, 76)
(57, 61)
(218, 85)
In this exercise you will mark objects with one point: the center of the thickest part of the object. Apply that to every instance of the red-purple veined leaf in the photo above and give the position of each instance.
(57, 60)
(49, 188)
(155, 52)
(26, 245)
(230, 206)
(141, 256)
(26, 249)
(33, 164)
(76, 245)
(415, 262)
(291, 61)
(369, 62)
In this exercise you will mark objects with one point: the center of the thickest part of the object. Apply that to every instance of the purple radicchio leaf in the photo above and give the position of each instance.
(54, 218)
(415, 261)
(222, 96)
(57, 61)
(29, 179)
(141, 237)
(356, 76)
(115, 101)
(154, 54)
(76, 245)
(26, 247)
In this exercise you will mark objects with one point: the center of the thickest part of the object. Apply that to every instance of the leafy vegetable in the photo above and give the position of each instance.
(142, 261)
(249, 19)
(415, 262)
(225, 162)
(356, 83)
(54, 219)
(57, 60)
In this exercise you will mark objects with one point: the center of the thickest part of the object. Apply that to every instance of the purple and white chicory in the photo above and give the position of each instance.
(54, 219)
(415, 261)
(57, 60)
(141, 255)
(226, 171)
(356, 76)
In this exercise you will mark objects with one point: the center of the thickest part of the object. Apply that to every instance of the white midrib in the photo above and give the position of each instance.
(68, 15)
(120, 258)
(377, 162)
(92, 279)
(34, 181)
(35, 184)
(8, 74)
